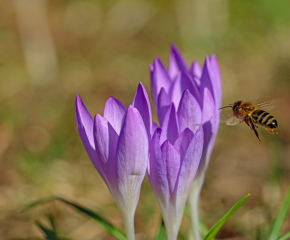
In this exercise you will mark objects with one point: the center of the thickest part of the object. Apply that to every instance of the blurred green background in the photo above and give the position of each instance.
(52, 50)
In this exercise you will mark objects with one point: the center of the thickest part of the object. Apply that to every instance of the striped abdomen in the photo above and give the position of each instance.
(264, 119)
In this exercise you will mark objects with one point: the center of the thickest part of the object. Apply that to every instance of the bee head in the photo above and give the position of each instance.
(236, 105)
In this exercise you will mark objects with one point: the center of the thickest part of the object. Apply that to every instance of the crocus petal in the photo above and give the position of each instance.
(142, 103)
(207, 78)
(114, 112)
(189, 113)
(188, 83)
(217, 83)
(159, 79)
(175, 91)
(170, 127)
(132, 156)
(85, 124)
(106, 140)
(209, 140)
(196, 72)
(172, 160)
(183, 82)
(190, 164)
(208, 106)
(182, 142)
(153, 128)
(157, 173)
(162, 105)
(176, 62)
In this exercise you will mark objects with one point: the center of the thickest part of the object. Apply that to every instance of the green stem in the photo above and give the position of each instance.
(129, 226)
(193, 202)
(172, 233)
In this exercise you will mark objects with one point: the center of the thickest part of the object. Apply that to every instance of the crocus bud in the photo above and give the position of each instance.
(174, 160)
(118, 146)
(204, 85)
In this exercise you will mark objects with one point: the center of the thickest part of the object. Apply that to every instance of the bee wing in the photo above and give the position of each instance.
(268, 104)
(229, 119)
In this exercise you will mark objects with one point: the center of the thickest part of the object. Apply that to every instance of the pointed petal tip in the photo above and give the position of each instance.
(81, 113)
(97, 117)
(141, 86)
(187, 130)
(207, 65)
(175, 50)
(78, 101)
(158, 131)
(186, 94)
(174, 47)
(131, 107)
(206, 60)
(213, 56)
(157, 61)
(132, 110)
(171, 107)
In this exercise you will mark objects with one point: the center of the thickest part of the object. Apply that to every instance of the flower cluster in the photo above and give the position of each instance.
(196, 93)
(124, 143)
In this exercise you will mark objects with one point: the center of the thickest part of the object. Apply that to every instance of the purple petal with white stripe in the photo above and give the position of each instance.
(172, 160)
(182, 142)
(142, 103)
(163, 104)
(170, 130)
(190, 163)
(85, 124)
(182, 82)
(159, 79)
(106, 140)
(157, 173)
(132, 154)
(189, 113)
(114, 112)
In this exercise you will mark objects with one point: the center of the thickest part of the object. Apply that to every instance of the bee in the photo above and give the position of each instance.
(253, 115)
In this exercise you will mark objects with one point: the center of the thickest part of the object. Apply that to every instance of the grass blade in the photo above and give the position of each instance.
(278, 223)
(285, 236)
(48, 233)
(114, 231)
(161, 235)
(203, 229)
(38, 202)
(214, 230)
(51, 220)
(105, 224)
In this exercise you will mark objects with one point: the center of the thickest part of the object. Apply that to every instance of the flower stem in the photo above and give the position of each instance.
(193, 202)
(171, 234)
(129, 226)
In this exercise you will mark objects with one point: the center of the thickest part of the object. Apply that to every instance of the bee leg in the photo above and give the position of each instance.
(271, 131)
(253, 127)
(248, 123)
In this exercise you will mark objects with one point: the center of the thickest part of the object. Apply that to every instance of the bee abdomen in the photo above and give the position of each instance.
(259, 115)
(264, 119)
(271, 122)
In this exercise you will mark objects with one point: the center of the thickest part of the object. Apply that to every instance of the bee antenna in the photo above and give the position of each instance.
(224, 107)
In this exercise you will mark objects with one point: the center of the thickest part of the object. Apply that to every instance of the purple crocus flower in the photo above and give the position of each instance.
(118, 146)
(175, 152)
(204, 85)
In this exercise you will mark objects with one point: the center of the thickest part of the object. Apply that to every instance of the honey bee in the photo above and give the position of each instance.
(253, 115)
